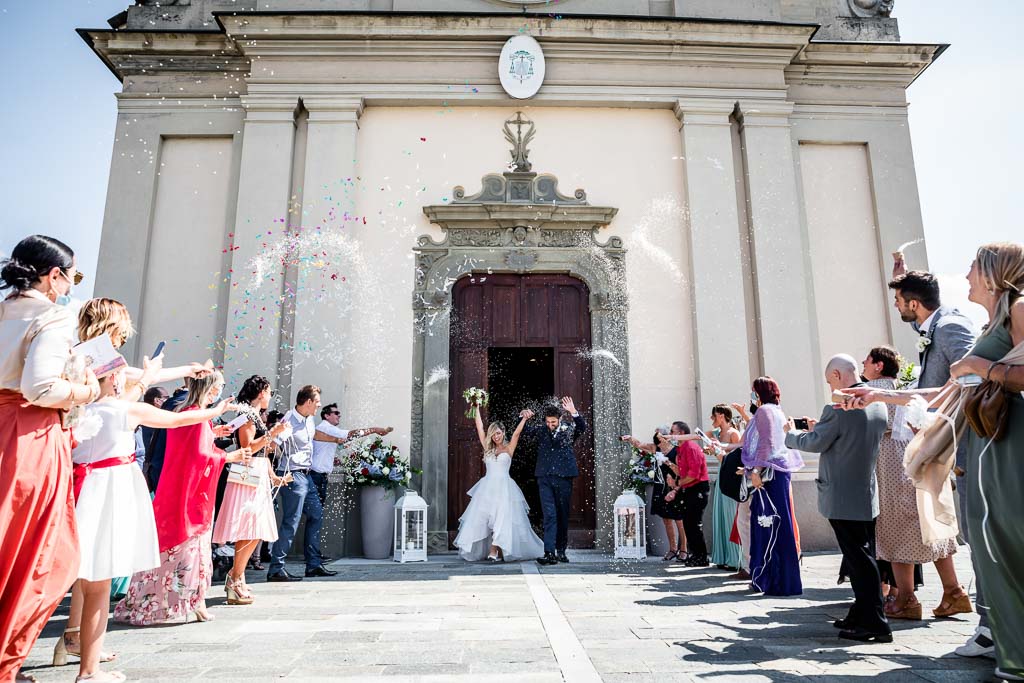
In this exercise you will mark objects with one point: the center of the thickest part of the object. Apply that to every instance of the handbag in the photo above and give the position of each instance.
(987, 410)
(728, 481)
(246, 475)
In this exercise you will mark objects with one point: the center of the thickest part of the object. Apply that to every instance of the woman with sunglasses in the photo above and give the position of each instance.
(37, 510)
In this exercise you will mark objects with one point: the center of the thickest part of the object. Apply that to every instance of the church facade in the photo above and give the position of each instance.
(645, 207)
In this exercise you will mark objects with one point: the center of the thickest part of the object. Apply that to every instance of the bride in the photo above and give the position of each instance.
(495, 524)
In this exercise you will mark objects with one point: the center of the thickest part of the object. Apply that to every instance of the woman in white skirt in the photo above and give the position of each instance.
(116, 529)
(246, 515)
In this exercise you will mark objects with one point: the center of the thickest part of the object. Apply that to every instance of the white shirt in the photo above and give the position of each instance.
(35, 343)
(323, 451)
(923, 327)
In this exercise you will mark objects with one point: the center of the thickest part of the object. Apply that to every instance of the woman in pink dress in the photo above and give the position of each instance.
(183, 509)
(247, 511)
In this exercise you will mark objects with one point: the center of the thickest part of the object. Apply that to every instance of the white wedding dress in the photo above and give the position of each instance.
(497, 515)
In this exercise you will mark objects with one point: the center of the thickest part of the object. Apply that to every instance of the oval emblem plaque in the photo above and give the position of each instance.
(521, 67)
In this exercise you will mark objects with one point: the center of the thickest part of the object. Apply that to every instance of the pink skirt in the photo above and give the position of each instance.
(247, 512)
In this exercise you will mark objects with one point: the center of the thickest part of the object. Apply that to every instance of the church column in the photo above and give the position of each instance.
(327, 194)
(252, 337)
(785, 319)
(720, 335)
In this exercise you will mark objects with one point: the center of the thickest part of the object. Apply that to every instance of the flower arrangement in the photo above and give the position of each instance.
(640, 470)
(923, 343)
(476, 398)
(908, 375)
(376, 463)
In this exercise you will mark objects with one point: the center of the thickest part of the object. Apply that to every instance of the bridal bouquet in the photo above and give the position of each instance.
(641, 470)
(376, 463)
(476, 398)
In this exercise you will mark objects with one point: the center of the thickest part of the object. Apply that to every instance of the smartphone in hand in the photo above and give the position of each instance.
(801, 423)
(159, 350)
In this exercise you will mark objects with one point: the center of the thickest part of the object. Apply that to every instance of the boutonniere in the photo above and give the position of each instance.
(923, 343)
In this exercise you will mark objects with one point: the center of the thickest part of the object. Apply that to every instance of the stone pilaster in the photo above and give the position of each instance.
(782, 275)
(720, 336)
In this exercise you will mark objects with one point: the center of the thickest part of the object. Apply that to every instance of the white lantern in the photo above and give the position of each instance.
(410, 528)
(630, 527)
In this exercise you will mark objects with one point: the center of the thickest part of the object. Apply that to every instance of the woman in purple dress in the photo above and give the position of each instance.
(768, 465)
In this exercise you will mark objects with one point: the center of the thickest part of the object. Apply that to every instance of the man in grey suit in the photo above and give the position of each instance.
(947, 335)
(848, 495)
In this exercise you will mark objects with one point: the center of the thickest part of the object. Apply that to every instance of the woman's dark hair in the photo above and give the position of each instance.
(681, 426)
(32, 258)
(767, 389)
(552, 411)
(723, 410)
(252, 388)
(889, 358)
(273, 417)
(152, 394)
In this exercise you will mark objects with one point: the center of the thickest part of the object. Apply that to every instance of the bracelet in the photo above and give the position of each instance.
(988, 375)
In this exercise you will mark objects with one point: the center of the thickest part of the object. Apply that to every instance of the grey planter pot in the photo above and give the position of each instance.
(377, 508)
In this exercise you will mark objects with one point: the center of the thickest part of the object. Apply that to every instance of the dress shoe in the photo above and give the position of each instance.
(844, 624)
(561, 557)
(865, 636)
(320, 571)
(697, 561)
(548, 559)
(282, 576)
(741, 575)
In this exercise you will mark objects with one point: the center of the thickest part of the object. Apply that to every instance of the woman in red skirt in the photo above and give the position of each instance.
(37, 511)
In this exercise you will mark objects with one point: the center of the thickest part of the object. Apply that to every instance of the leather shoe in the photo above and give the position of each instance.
(548, 559)
(844, 624)
(320, 571)
(561, 557)
(865, 636)
(282, 576)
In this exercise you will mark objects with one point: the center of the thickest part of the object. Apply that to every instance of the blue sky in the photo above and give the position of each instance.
(58, 123)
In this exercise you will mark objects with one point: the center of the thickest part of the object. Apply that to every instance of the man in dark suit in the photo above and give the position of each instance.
(157, 443)
(848, 442)
(556, 468)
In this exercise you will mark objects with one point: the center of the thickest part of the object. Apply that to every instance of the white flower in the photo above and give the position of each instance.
(764, 520)
(632, 461)
(923, 343)
(650, 474)
(385, 471)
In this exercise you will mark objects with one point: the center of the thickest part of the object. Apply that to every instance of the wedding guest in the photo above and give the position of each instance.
(246, 515)
(768, 467)
(299, 497)
(157, 444)
(324, 449)
(670, 511)
(741, 526)
(724, 553)
(154, 396)
(183, 509)
(106, 480)
(946, 336)
(898, 529)
(691, 484)
(848, 495)
(996, 282)
(37, 514)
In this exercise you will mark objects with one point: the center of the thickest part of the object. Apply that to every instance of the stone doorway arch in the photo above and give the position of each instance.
(518, 223)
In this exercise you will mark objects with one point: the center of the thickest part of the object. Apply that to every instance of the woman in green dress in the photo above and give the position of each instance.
(724, 553)
(994, 468)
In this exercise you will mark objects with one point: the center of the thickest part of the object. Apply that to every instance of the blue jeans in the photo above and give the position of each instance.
(297, 499)
(555, 496)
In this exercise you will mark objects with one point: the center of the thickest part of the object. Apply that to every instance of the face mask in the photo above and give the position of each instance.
(65, 299)
(753, 397)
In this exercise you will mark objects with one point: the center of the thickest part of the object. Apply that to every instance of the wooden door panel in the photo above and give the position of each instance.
(536, 315)
(504, 314)
(571, 325)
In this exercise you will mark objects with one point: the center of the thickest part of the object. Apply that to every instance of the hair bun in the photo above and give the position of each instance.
(18, 275)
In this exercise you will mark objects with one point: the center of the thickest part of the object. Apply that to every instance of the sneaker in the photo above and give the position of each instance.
(979, 645)
(1006, 676)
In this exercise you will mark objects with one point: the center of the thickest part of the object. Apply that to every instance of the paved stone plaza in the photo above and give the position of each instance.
(591, 620)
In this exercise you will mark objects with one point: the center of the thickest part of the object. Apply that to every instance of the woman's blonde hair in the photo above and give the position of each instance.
(105, 315)
(1001, 266)
(197, 389)
(490, 448)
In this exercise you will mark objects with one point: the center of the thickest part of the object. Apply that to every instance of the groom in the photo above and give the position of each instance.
(556, 468)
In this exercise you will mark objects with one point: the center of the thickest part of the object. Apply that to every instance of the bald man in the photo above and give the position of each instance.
(848, 495)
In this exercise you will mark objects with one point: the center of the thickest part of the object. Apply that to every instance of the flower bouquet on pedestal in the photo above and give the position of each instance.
(476, 398)
(378, 468)
(640, 471)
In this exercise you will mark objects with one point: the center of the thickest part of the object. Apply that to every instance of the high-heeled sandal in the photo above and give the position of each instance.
(21, 676)
(103, 677)
(61, 650)
(954, 604)
(237, 595)
(911, 610)
(670, 555)
(200, 615)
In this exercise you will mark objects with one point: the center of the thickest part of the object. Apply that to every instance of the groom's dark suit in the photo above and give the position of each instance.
(556, 468)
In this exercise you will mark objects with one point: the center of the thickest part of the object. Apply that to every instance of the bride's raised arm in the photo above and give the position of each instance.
(480, 428)
(523, 417)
